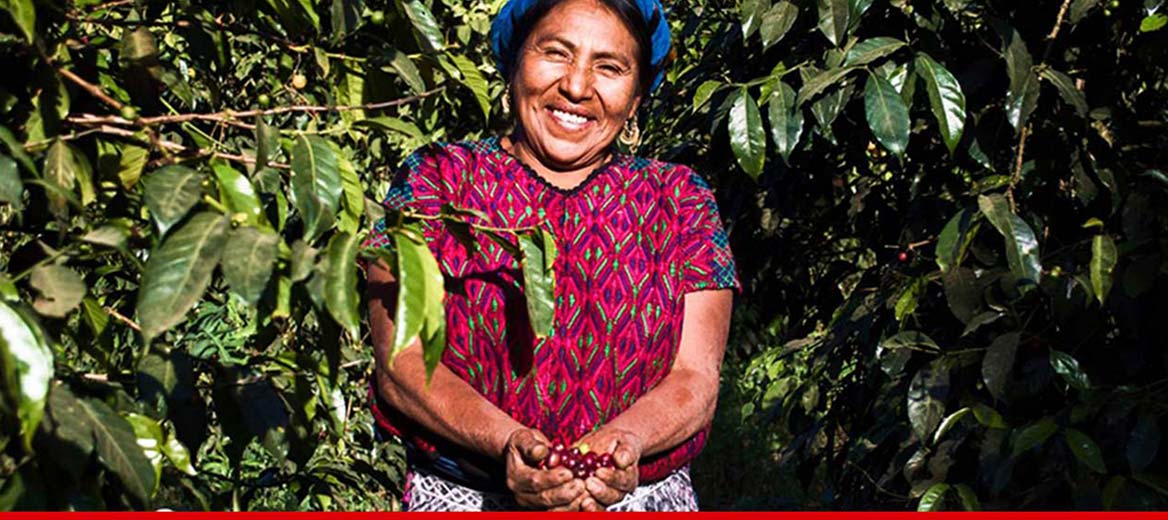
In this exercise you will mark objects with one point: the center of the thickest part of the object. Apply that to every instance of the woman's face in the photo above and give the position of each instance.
(575, 84)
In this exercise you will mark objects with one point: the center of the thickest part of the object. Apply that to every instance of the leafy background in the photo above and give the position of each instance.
(947, 216)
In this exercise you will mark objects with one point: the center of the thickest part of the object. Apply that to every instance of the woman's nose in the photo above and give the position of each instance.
(576, 84)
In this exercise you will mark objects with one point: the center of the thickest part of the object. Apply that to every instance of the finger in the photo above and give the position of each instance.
(576, 505)
(590, 504)
(531, 448)
(562, 495)
(524, 479)
(623, 457)
(602, 492)
(624, 480)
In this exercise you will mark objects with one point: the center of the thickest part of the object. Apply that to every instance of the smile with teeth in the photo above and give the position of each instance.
(568, 119)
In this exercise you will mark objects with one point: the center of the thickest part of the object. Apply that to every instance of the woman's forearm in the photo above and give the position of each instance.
(448, 406)
(677, 408)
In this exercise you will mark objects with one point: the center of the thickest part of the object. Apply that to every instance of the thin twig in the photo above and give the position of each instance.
(1018, 162)
(118, 316)
(1058, 22)
(92, 89)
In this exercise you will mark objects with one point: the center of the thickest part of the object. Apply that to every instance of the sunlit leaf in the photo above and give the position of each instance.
(820, 82)
(934, 497)
(834, 17)
(11, 187)
(750, 14)
(170, 192)
(303, 260)
(786, 119)
(27, 363)
(1022, 97)
(1034, 435)
(61, 171)
(704, 92)
(747, 136)
(248, 259)
(1154, 22)
(473, 80)
(1022, 253)
(945, 97)
(23, 12)
(954, 240)
(118, 449)
(149, 435)
(776, 22)
(341, 296)
(1103, 259)
(416, 268)
(872, 49)
(949, 423)
(887, 114)
(237, 193)
(316, 181)
(178, 272)
(539, 252)
(61, 289)
(426, 27)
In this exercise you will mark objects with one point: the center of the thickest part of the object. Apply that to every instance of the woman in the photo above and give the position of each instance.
(643, 285)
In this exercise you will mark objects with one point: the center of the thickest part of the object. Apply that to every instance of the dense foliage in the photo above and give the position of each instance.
(947, 217)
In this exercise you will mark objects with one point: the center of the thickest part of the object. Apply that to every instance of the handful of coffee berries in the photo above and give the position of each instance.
(578, 459)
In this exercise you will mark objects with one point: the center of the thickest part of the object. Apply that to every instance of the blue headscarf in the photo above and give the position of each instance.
(502, 29)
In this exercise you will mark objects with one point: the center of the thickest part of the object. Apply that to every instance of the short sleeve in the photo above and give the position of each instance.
(418, 186)
(706, 260)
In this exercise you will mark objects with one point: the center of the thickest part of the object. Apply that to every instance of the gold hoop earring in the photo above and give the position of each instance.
(630, 135)
(506, 101)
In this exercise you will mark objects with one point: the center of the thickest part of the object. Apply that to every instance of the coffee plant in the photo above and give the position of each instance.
(947, 216)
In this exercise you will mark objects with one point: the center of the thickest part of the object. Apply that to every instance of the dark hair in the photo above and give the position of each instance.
(626, 10)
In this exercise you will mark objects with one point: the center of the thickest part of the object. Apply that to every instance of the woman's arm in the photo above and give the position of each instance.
(678, 407)
(451, 408)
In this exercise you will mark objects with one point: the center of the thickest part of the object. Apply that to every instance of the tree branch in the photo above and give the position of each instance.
(92, 89)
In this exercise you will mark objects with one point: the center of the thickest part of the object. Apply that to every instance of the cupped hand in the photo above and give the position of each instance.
(608, 486)
(551, 489)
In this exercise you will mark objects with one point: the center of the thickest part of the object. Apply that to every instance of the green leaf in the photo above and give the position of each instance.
(1021, 245)
(149, 435)
(906, 303)
(122, 160)
(401, 63)
(704, 92)
(539, 282)
(70, 426)
(23, 12)
(954, 240)
(750, 14)
(177, 454)
(887, 114)
(170, 193)
(777, 22)
(1067, 89)
(11, 187)
(1085, 450)
(341, 296)
(786, 119)
(969, 501)
(1080, 8)
(926, 398)
(910, 339)
(1103, 260)
(1022, 97)
(426, 27)
(118, 449)
(316, 181)
(871, 50)
(833, 19)
(998, 363)
(1068, 367)
(27, 364)
(345, 16)
(747, 137)
(178, 271)
(989, 417)
(474, 80)
(1152, 23)
(949, 423)
(818, 83)
(945, 97)
(61, 290)
(248, 259)
(1034, 435)
(267, 142)
(415, 267)
(353, 201)
(239, 196)
(60, 171)
(934, 498)
(1158, 483)
(303, 260)
(1144, 442)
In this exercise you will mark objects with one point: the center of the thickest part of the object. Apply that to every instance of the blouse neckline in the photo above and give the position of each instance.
(496, 146)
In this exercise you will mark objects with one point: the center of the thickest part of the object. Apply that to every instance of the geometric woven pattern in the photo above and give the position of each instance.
(431, 493)
(633, 239)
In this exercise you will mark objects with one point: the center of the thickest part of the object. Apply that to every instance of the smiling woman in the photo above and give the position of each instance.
(643, 287)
